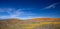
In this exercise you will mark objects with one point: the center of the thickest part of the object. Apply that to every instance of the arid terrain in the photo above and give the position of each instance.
(35, 23)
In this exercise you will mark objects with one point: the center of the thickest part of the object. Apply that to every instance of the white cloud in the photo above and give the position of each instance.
(13, 13)
(51, 6)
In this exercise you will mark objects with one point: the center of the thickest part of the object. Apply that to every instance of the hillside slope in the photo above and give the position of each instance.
(35, 23)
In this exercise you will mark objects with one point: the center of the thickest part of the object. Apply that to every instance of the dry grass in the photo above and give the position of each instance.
(30, 24)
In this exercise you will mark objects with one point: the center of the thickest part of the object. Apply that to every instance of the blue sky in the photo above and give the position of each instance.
(29, 9)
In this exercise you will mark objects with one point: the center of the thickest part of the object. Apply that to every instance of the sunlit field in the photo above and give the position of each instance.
(29, 24)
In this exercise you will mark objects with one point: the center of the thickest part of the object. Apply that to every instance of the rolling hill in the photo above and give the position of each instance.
(34, 23)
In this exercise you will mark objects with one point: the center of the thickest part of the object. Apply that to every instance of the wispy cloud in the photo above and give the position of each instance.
(14, 13)
(51, 6)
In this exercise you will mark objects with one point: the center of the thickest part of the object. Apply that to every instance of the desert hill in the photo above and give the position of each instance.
(44, 19)
(34, 23)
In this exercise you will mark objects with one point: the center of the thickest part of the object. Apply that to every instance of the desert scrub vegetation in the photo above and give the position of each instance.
(30, 24)
(48, 26)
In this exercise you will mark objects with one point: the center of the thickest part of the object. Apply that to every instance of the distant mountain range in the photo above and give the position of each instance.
(34, 23)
